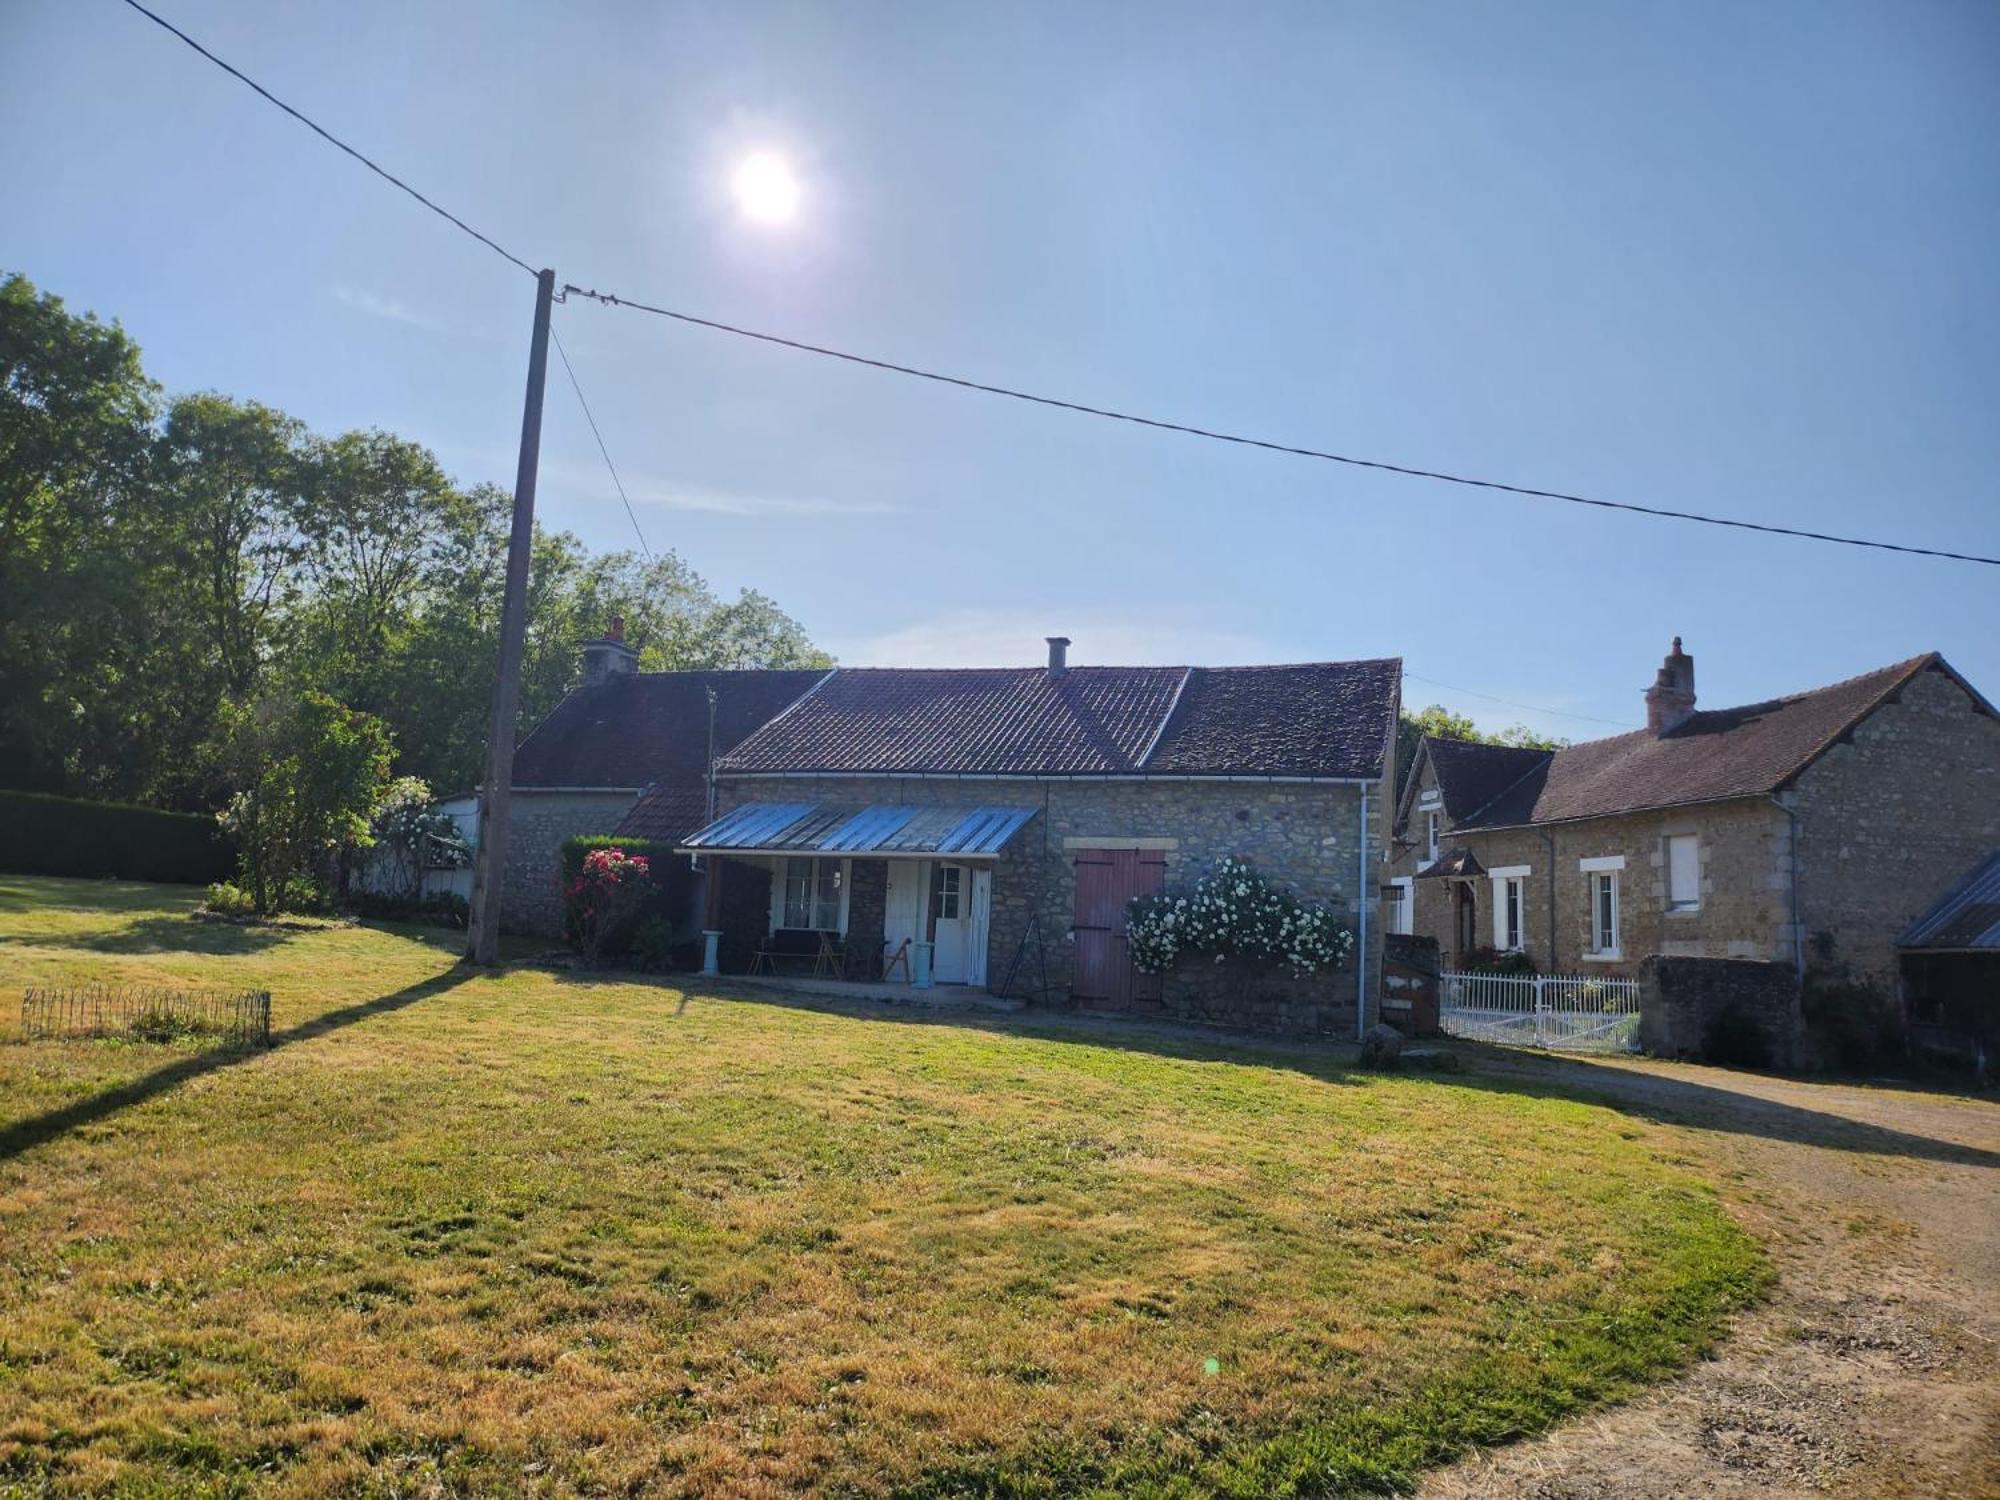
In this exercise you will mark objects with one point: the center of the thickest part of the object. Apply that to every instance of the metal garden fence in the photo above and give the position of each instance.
(149, 1013)
(1572, 1012)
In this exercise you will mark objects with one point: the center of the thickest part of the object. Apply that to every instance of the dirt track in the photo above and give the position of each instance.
(1875, 1367)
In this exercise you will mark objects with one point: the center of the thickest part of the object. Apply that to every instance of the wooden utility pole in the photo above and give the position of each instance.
(496, 793)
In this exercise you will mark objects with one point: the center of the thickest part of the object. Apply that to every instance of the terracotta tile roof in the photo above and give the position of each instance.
(1715, 754)
(1321, 719)
(646, 727)
(667, 813)
(1470, 775)
(1330, 719)
(1023, 720)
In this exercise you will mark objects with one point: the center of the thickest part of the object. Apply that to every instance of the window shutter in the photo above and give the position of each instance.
(1683, 872)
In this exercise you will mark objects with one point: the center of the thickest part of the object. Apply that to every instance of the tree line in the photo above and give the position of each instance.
(168, 561)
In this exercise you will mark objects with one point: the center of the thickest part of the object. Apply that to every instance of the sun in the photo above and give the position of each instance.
(765, 188)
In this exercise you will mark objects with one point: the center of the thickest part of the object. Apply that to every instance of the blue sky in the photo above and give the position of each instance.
(1711, 256)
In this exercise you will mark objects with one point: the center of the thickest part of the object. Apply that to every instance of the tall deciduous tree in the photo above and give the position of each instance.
(152, 570)
(75, 415)
(231, 478)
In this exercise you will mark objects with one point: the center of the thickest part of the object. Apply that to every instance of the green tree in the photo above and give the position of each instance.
(75, 622)
(230, 476)
(309, 774)
(154, 569)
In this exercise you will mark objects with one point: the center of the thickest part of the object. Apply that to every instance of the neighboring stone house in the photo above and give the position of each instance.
(1809, 830)
(625, 752)
(1006, 817)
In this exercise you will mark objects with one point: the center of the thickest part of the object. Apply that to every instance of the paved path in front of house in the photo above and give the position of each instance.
(1874, 1369)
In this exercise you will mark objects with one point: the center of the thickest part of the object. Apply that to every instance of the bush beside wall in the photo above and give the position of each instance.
(671, 879)
(46, 835)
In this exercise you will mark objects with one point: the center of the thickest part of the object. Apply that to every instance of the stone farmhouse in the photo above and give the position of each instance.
(1811, 831)
(1004, 817)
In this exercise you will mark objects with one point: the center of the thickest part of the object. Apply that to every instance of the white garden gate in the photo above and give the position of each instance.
(1569, 1012)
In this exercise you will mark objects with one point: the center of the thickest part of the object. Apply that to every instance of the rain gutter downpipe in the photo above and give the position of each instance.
(1361, 937)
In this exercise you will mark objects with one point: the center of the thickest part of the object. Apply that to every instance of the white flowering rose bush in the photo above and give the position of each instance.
(1234, 912)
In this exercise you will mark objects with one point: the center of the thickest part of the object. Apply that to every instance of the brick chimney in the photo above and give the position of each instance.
(1670, 700)
(607, 656)
(1058, 655)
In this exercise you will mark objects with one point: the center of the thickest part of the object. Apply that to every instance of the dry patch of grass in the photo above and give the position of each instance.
(537, 1231)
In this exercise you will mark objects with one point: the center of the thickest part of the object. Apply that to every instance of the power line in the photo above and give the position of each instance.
(1533, 708)
(964, 383)
(330, 138)
(630, 514)
(1213, 435)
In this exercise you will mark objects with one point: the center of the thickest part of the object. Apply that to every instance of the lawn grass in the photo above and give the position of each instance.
(538, 1231)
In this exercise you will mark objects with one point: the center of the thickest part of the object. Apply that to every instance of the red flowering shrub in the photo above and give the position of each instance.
(603, 897)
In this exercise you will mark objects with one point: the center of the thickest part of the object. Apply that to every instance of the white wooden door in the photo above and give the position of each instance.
(979, 928)
(904, 905)
(951, 898)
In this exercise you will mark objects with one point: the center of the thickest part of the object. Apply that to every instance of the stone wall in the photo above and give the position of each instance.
(530, 891)
(1304, 836)
(1745, 911)
(867, 899)
(1890, 818)
(1683, 1001)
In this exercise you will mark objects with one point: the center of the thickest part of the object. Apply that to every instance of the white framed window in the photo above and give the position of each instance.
(1510, 906)
(1683, 872)
(1432, 822)
(1603, 913)
(1399, 902)
(948, 894)
(812, 895)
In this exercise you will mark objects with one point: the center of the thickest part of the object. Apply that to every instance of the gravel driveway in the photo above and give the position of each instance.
(1875, 1367)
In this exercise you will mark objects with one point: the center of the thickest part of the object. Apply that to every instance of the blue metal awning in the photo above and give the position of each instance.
(887, 829)
(1965, 919)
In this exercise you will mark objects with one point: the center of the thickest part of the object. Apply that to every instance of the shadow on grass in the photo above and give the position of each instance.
(1725, 1104)
(39, 892)
(1724, 1100)
(25, 1135)
(164, 935)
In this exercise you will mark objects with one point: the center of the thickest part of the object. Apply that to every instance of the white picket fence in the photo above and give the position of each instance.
(1571, 1012)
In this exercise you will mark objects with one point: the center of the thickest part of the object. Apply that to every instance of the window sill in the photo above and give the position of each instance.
(1613, 957)
(1684, 911)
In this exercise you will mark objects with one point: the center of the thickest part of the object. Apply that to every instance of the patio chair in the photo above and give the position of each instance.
(831, 960)
(765, 959)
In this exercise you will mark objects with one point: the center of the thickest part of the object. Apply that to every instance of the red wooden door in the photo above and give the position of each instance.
(1106, 880)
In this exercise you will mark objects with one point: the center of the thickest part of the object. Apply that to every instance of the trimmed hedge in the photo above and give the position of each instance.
(45, 835)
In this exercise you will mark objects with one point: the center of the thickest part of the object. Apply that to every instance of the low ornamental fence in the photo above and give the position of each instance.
(1574, 1012)
(147, 1013)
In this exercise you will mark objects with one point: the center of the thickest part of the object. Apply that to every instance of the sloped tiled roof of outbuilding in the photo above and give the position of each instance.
(1326, 720)
(666, 813)
(645, 727)
(1714, 755)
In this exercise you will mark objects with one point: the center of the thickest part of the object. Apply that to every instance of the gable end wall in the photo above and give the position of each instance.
(1891, 817)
